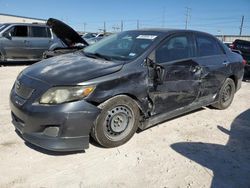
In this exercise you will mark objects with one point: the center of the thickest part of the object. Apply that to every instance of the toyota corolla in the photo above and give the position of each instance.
(130, 80)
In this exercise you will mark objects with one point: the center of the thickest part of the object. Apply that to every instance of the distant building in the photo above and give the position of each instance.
(231, 38)
(8, 18)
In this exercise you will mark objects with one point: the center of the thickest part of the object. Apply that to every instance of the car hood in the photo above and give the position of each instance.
(71, 69)
(68, 35)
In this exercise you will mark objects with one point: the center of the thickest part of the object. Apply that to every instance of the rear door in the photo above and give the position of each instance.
(181, 81)
(40, 40)
(17, 46)
(214, 62)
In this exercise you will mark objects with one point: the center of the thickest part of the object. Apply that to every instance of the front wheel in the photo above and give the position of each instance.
(226, 95)
(117, 122)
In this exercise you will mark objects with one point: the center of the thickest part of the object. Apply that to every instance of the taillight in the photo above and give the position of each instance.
(244, 62)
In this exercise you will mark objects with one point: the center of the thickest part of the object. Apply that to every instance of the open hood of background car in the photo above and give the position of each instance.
(68, 35)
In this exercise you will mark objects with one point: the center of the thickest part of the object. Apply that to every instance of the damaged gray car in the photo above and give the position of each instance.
(128, 81)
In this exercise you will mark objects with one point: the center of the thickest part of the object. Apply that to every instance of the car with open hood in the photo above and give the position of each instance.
(72, 40)
(128, 81)
(26, 41)
(31, 42)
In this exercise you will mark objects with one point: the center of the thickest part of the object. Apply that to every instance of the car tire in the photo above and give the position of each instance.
(117, 122)
(226, 95)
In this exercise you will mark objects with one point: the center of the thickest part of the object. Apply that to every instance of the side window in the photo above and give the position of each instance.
(19, 31)
(48, 31)
(207, 46)
(175, 48)
(42, 32)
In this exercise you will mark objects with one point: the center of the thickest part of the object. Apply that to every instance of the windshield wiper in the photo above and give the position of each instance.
(97, 55)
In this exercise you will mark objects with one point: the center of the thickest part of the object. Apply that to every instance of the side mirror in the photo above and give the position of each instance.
(7, 35)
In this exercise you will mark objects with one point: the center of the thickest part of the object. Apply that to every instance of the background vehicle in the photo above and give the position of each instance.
(89, 35)
(130, 80)
(228, 44)
(72, 40)
(26, 42)
(244, 47)
(93, 40)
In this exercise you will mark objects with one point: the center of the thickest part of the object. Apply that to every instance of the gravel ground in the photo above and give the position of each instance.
(206, 148)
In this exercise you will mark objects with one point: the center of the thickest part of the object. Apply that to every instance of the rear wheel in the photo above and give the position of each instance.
(226, 95)
(117, 122)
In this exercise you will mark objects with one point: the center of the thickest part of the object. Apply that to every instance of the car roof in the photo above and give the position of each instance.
(169, 31)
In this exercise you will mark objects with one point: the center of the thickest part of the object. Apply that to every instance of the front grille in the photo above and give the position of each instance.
(22, 90)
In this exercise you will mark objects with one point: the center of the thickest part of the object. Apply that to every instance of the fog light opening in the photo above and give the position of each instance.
(51, 130)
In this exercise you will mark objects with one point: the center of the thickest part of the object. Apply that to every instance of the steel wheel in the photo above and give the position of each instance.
(117, 122)
(226, 95)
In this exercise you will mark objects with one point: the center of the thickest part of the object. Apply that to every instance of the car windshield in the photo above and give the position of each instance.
(122, 46)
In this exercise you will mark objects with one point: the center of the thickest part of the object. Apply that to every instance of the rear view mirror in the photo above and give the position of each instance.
(7, 35)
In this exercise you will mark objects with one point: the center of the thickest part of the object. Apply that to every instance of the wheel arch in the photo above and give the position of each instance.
(235, 79)
(142, 109)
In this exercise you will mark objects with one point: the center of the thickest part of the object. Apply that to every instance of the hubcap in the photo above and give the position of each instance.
(227, 93)
(119, 122)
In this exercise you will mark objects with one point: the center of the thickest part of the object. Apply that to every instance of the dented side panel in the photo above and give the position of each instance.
(180, 87)
(214, 73)
(131, 80)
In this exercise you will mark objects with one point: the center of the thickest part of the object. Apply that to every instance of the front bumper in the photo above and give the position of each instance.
(64, 127)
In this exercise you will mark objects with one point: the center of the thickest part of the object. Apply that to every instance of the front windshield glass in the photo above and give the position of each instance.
(123, 46)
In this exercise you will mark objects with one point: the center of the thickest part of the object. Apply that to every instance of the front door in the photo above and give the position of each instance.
(180, 85)
(16, 47)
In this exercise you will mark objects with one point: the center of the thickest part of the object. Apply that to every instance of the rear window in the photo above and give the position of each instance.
(207, 46)
(42, 32)
(19, 31)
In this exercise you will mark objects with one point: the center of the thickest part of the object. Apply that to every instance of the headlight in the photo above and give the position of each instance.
(58, 95)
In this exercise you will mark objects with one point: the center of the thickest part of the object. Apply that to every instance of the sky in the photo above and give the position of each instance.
(215, 17)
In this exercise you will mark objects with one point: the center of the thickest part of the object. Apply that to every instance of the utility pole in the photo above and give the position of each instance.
(188, 15)
(104, 27)
(241, 25)
(121, 25)
(84, 27)
(138, 24)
